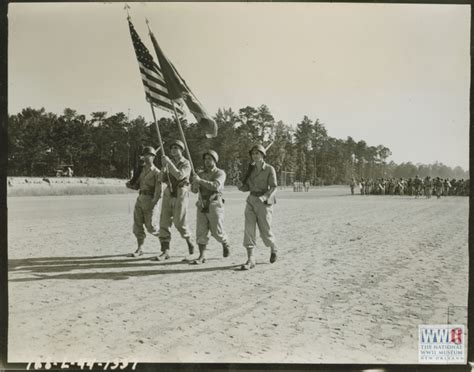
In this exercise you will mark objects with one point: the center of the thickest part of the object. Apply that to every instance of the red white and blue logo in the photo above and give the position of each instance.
(441, 344)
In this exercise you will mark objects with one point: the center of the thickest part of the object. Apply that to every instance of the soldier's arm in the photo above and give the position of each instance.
(184, 171)
(157, 194)
(194, 187)
(245, 186)
(217, 184)
(272, 183)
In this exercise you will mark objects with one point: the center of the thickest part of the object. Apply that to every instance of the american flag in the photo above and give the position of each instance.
(179, 91)
(156, 91)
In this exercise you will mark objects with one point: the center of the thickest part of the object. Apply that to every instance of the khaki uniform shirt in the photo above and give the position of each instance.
(179, 174)
(150, 182)
(212, 181)
(262, 181)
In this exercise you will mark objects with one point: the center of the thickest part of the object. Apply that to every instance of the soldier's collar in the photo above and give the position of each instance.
(214, 167)
(179, 161)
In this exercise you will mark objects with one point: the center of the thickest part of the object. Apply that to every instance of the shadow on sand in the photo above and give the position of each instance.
(45, 268)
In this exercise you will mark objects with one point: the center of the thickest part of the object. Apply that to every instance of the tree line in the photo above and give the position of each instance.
(109, 146)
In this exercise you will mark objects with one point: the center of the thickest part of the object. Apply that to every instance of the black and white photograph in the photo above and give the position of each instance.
(238, 183)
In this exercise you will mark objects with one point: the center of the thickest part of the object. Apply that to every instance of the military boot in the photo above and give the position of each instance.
(226, 249)
(202, 255)
(250, 264)
(190, 246)
(165, 248)
(190, 250)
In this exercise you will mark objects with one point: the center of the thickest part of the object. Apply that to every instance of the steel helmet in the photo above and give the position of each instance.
(177, 143)
(259, 148)
(148, 150)
(211, 153)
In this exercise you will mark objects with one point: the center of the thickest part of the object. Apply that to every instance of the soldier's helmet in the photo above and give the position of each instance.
(211, 153)
(177, 143)
(149, 150)
(259, 148)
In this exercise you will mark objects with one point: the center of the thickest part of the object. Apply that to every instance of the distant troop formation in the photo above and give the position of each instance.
(301, 186)
(416, 186)
(173, 183)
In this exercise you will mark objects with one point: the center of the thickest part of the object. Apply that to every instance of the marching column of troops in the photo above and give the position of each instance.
(173, 183)
(416, 186)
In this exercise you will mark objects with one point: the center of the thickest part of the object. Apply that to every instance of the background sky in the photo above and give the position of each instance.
(389, 74)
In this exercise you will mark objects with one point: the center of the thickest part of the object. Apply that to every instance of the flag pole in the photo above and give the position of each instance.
(174, 106)
(161, 143)
(184, 138)
(157, 129)
(193, 172)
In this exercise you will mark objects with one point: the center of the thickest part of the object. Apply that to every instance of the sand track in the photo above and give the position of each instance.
(356, 277)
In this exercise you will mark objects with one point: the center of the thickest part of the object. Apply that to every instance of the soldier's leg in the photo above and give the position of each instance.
(148, 217)
(216, 225)
(264, 222)
(180, 218)
(202, 236)
(138, 230)
(166, 217)
(216, 222)
(250, 232)
(202, 227)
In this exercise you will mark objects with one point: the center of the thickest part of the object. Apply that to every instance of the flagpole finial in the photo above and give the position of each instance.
(148, 25)
(127, 7)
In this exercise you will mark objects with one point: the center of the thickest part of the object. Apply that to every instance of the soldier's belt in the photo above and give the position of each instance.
(257, 193)
(149, 193)
(182, 183)
(211, 197)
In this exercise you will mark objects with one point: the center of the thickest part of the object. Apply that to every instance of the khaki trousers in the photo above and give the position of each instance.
(173, 211)
(212, 222)
(142, 215)
(258, 214)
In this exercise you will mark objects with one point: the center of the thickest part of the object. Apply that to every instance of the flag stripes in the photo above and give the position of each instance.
(156, 91)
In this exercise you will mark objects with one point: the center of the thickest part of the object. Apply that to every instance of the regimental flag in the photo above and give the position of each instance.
(156, 91)
(178, 89)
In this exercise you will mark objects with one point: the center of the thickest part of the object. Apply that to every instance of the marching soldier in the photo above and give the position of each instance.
(362, 186)
(428, 184)
(381, 186)
(410, 187)
(174, 206)
(149, 186)
(438, 184)
(417, 185)
(466, 187)
(453, 186)
(460, 187)
(446, 187)
(352, 185)
(261, 182)
(400, 189)
(210, 206)
(368, 186)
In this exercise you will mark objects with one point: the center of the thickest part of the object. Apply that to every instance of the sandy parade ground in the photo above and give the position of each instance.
(355, 278)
